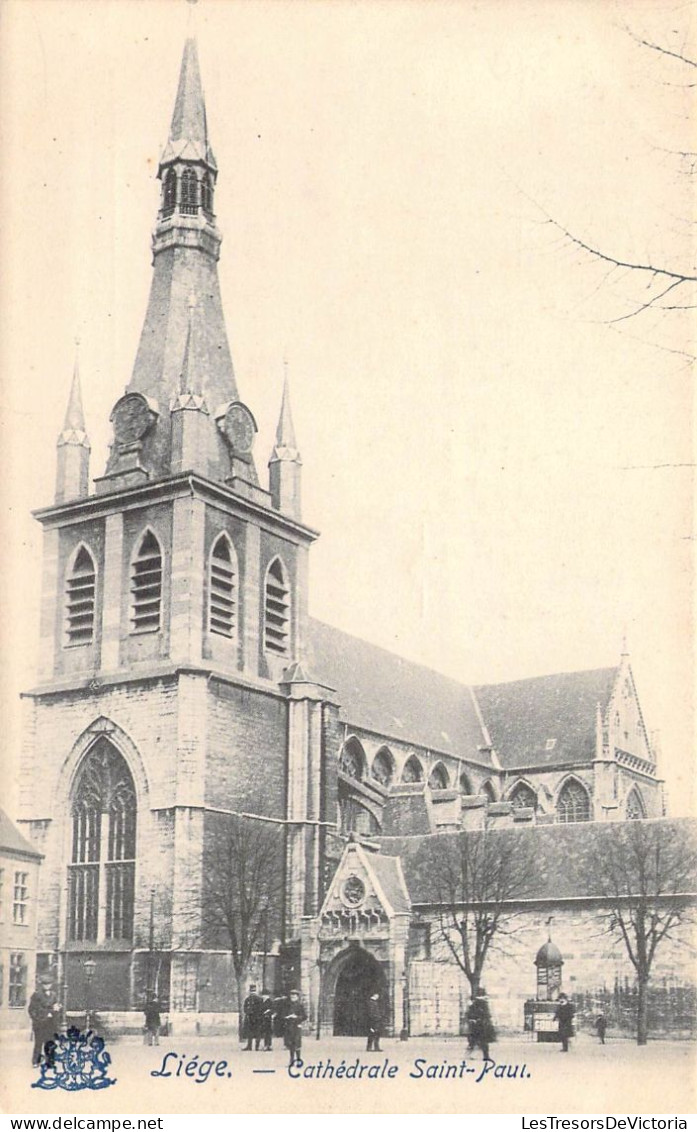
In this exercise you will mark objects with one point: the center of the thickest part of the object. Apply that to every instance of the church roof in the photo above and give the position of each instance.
(389, 875)
(12, 841)
(545, 720)
(563, 854)
(390, 696)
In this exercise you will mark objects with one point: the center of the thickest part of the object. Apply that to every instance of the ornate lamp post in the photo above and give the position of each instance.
(89, 967)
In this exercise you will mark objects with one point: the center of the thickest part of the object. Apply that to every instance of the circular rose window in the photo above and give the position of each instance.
(353, 891)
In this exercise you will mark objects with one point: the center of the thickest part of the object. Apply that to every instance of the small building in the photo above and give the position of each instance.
(19, 881)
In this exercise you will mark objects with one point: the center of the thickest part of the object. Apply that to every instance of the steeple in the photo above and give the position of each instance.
(285, 462)
(73, 457)
(186, 246)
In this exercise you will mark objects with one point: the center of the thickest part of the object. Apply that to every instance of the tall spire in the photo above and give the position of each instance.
(188, 133)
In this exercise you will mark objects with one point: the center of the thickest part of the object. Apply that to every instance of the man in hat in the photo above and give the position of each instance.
(481, 1028)
(295, 1015)
(267, 1013)
(44, 1012)
(374, 1022)
(564, 1015)
(252, 1018)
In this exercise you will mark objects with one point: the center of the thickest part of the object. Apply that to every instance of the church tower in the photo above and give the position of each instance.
(174, 608)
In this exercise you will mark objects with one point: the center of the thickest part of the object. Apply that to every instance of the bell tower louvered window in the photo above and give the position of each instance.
(276, 610)
(80, 593)
(189, 192)
(169, 193)
(207, 193)
(223, 590)
(146, 586)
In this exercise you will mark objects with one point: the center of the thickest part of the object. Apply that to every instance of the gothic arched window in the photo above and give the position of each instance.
(102, 870)
(523, 797)
(355, 818)
(276, 610)
(80, 591)
(573, 803)
(352, 759)
(465, 783)
(189, 192)
(146, 586)
(169, 193)
(438, 778)
(222, 592)
(489, 792)
(207, 193)
(636, 810)
(382, 769)
(413, 770)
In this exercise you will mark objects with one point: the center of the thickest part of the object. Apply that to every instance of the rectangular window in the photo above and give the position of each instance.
(18, 981)
(19, 903)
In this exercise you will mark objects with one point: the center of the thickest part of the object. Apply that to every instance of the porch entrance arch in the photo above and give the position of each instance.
(358, 975)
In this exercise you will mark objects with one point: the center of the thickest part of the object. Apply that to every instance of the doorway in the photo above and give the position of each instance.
(360, 976)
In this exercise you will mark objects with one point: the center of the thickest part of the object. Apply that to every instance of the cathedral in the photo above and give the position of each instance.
(182, 678)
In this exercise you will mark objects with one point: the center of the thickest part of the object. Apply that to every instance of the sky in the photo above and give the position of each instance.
(498, 460)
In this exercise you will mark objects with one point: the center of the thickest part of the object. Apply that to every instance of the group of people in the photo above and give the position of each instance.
(263, 1015)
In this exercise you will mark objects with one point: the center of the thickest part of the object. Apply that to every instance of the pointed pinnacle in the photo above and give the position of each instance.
(74, 415)
(285, 433)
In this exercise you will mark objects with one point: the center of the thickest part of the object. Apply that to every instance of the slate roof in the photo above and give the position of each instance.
(389, 877)
(384, 693)
(12, 841)
(523, 717)
(562, 854)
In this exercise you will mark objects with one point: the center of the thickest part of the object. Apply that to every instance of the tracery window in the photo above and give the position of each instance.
(102, 870)
(169, 193)
(573, 803)
(146, 586)
(523, 797)
(355, 818)
(413, 770)
(276, 610)
(189, 193)
(383, 767)
(222, 592)
(636, 810)
(438, 778)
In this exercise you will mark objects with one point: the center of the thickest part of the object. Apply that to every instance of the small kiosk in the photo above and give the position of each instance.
(539, 1011)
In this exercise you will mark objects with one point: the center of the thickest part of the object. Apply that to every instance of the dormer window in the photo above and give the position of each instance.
(189, 193)
(146, 586)
(169, 193)
(80, 591)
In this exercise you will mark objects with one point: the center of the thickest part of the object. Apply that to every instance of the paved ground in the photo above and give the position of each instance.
(527, 1078)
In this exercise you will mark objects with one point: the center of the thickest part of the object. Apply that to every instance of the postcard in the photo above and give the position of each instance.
(347, 498)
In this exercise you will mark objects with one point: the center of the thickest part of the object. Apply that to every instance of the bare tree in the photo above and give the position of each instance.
(646, 873)
(243, 886)
(661, 285)
(476, 879)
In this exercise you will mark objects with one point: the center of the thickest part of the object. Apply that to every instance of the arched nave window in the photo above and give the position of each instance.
(383, 767)
(413, 770)
(636, 810)
(438, 778)
(574, 802)
(523, 797)
(352, 759)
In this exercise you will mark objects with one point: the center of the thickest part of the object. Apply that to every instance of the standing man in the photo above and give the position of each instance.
(252, 1017)
(564, 1015)
(267, 1012)
(374, 1022)
(481, 1027)
(293, 1020)
(44, 1012)
(601, 1027)
(152, 1021)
